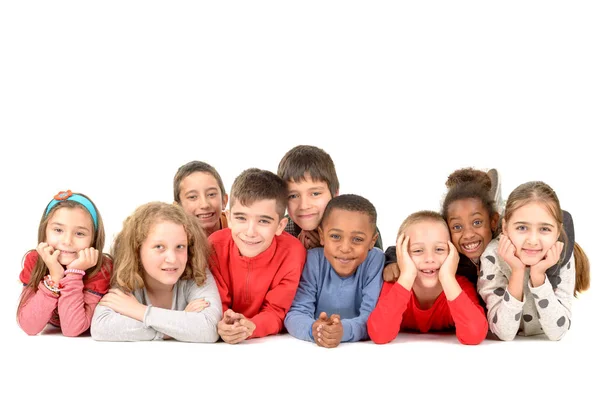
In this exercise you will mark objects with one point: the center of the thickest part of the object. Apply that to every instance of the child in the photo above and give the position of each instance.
(256, 264)
(427, 296)
(67, 274)
(470, 211)
(311, 179)
(525, 292)
(342, 279)
(199, 189)
(161, 287)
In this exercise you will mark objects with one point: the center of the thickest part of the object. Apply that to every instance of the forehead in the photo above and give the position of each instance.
(257, 208)
(198, 181)
(305, 184)
(71, 216)
(348, 221)
(428, 232)
(162, 230)
(466, 207)
(533, 213)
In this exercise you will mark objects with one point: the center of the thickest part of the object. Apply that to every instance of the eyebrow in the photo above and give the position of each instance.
(470, 215)
(352, 232)
(77, 227)
(529, 223)
(241, 214)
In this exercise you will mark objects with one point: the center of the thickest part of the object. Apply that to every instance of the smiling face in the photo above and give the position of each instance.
(533, 231)
(69, 230)
(201, 197)
(253, 227)
(347, 237)
(428, 248)
(307, 200)
(471, 226)
(164, 254)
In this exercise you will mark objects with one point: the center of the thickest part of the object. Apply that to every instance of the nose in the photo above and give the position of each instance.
(251, 229)
(304, 204)
(170, 256)
(203, 202)
(66, 238)
(429, 257)
(532, 237)
(468, 232)
(345, 246)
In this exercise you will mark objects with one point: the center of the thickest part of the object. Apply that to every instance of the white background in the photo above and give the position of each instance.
(110, 98)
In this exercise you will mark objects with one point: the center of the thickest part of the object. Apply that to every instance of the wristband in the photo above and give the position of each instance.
(75, 271)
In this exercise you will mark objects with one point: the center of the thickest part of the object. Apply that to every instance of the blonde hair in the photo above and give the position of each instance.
(128, 270)
(540, 192)
(421, 216)
(41, 269)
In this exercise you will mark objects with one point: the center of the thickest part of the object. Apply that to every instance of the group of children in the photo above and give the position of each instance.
(191, 271)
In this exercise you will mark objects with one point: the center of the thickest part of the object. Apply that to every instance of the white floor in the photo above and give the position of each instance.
(284, 367)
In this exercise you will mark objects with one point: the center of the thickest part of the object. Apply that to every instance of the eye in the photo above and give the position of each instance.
(316, 194)
(440, 249)
(358, 240)
(477, 222)
(58, 230)
(182, 246)
(192, 198)
(159, 247)
(80, 234)
(292, 196)
(212, 195)
(456, 228)
(417, 251)
(240, 218)
(521, 228)
(264, 221)
(545, 229)
(334, 236)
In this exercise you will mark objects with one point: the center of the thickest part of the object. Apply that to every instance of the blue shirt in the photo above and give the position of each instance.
(322, 289)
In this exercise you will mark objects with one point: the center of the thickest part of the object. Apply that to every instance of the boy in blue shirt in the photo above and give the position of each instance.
(341, 281)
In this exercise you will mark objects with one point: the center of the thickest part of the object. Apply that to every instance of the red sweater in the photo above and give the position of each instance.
(398, 309)
(72, 310)
(261, 288)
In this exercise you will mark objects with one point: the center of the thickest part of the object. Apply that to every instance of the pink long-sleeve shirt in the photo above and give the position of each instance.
(72, 310)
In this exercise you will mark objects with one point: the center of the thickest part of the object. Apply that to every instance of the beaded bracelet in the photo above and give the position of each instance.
(51, 286)
(75, 271)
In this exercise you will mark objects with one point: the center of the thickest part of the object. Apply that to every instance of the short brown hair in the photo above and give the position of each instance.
(421, 216)
(188, 169)
(311, 160)
(258, 184)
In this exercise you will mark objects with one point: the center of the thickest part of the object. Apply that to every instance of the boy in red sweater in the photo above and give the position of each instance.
(256, 264)
(428, 296)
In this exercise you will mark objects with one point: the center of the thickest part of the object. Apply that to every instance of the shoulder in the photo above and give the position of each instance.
(220, 238)
(29, 260)
(287, 242)
(315, 258)
(464, 282)
(491, 252)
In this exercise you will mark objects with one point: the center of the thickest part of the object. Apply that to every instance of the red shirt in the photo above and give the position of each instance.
(263, 287)
(398, 310)
(72, 310)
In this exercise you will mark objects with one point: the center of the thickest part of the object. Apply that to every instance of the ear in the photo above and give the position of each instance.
(225, 200)
(504, 226)
(282, 223)
(228, 215)
(494, 221)
(372, 244)
(321, 236)
(176, 203)
(337, 193)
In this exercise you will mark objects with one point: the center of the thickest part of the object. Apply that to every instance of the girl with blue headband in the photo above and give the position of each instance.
(65, 277)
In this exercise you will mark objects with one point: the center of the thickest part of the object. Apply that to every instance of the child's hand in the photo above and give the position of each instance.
(391, 272)
(331, 334)
(408, 269)
(450, 264)
(50, 258)
(506, 251)
(538, 271)
(86, 259)
(230, 328)
(123, 303)
(317, 326)
(309, 239)
(196, 305)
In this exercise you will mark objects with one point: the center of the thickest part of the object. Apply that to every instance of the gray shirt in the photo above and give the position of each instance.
(180, 325)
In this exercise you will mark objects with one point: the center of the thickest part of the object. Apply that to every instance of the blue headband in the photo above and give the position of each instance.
(77, 198)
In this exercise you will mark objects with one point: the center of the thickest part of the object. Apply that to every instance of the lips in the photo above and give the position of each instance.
(247, 243)
(429, 272)
(205, 216)
(344, 260)
(169, 270)
(530, 252)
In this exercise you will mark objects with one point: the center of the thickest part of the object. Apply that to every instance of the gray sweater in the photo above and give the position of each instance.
(180, 325)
